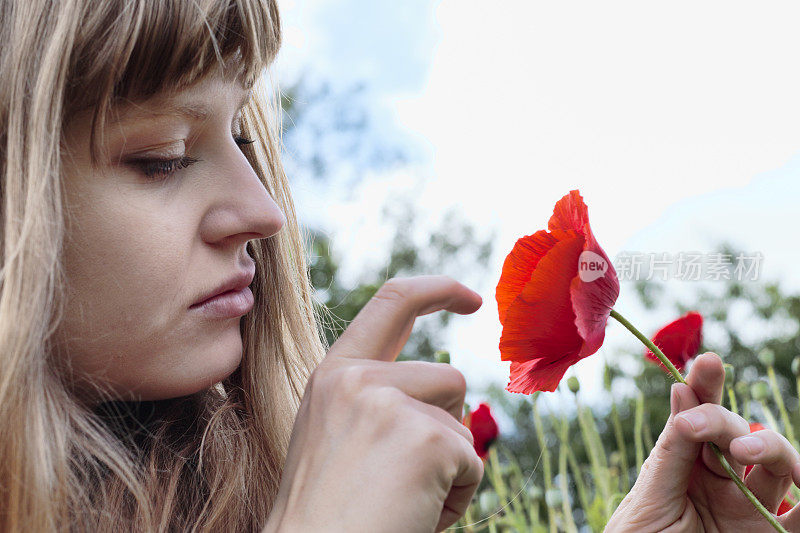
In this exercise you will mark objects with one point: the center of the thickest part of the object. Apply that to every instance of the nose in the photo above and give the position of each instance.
(242, 209)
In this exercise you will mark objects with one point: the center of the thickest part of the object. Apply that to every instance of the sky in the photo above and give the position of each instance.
(679, 122)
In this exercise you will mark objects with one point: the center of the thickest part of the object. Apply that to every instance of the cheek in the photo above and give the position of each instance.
(127, 295)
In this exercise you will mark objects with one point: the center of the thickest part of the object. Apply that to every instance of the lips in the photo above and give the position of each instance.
(236, 283)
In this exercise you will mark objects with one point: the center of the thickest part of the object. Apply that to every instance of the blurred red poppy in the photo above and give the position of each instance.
(785, 505)
(483, 427)
(679, 340)
(554, 298)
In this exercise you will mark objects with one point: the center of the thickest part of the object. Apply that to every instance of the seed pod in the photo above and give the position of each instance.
(767, 357)
(796, 366)
(442, 356)
(573, 384)
(742, 389)
(760, 391)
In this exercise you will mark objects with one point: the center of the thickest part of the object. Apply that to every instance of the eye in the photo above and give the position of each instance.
(155, 169)
(159, 169)
(242, 141)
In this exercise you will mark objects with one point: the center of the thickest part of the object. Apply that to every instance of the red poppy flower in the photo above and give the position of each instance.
(679, 340)
(785, 505)
(483, 427)
(554, 298)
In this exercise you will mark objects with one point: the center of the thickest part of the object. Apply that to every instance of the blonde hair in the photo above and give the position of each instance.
(208, 462)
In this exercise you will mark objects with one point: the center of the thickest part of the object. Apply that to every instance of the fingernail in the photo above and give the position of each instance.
(697, 421)
(674, 399)
(754, 445)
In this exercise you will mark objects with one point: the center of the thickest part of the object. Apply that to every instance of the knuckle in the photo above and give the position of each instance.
(431, 436)
(353, 379)
(393, 289)
(455, 378)
(383, 401)
(342, 384)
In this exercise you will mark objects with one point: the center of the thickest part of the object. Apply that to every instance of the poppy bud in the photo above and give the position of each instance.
(442, 356)
(488, 502)
(742, 389)
(729, 374)
(796, 366)
(573, 384)
(767, 357)
(553, 498)
(760, 391)
(615, 458)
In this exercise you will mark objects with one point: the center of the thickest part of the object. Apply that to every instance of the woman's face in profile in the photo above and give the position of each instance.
(157, 225)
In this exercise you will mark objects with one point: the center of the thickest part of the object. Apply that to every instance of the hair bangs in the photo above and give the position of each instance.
(135, 49)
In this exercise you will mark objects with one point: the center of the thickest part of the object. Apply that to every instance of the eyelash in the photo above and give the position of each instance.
(154, 169)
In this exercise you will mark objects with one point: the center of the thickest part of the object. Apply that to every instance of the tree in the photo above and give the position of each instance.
(329, 137)
(452, 247)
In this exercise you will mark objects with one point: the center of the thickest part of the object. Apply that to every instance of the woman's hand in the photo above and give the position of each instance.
(378, 445)
(682, 486)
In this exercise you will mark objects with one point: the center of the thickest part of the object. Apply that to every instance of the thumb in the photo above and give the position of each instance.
(666, 472)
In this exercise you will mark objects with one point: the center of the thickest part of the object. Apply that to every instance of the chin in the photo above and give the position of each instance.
(195, 370)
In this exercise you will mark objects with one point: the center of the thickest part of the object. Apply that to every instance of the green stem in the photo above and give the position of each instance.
(648, 436)
(647, 342)
(732, 400)
(772, 423)
(746, 408)
(562, 475)
(776, 393)
(498, 484)
(599, 473)
(577, 475)
(727, 467)
(548, 483)
(468, 520)
(637, 432)
(621, 448)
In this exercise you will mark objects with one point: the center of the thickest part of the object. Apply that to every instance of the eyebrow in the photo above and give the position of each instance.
(171, 108)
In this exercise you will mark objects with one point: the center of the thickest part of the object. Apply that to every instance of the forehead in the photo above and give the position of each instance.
(199, 102)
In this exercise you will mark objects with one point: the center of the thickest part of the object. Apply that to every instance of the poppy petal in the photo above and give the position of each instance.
(518, 267)
(570, 213)
(680, 340)
(540, 322)
(784, 507)
(592, 301)
(484, 429)
(528, 377)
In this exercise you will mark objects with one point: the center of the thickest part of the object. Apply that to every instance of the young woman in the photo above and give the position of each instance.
(140, 178)
(162, 368)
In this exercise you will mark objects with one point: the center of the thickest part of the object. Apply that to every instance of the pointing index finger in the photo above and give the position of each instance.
(382, 327)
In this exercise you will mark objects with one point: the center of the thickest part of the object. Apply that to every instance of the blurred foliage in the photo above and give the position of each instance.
(452, 247)
(329, 134)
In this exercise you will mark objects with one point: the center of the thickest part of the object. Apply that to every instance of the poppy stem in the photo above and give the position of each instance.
(714, 448)
(652, 347)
